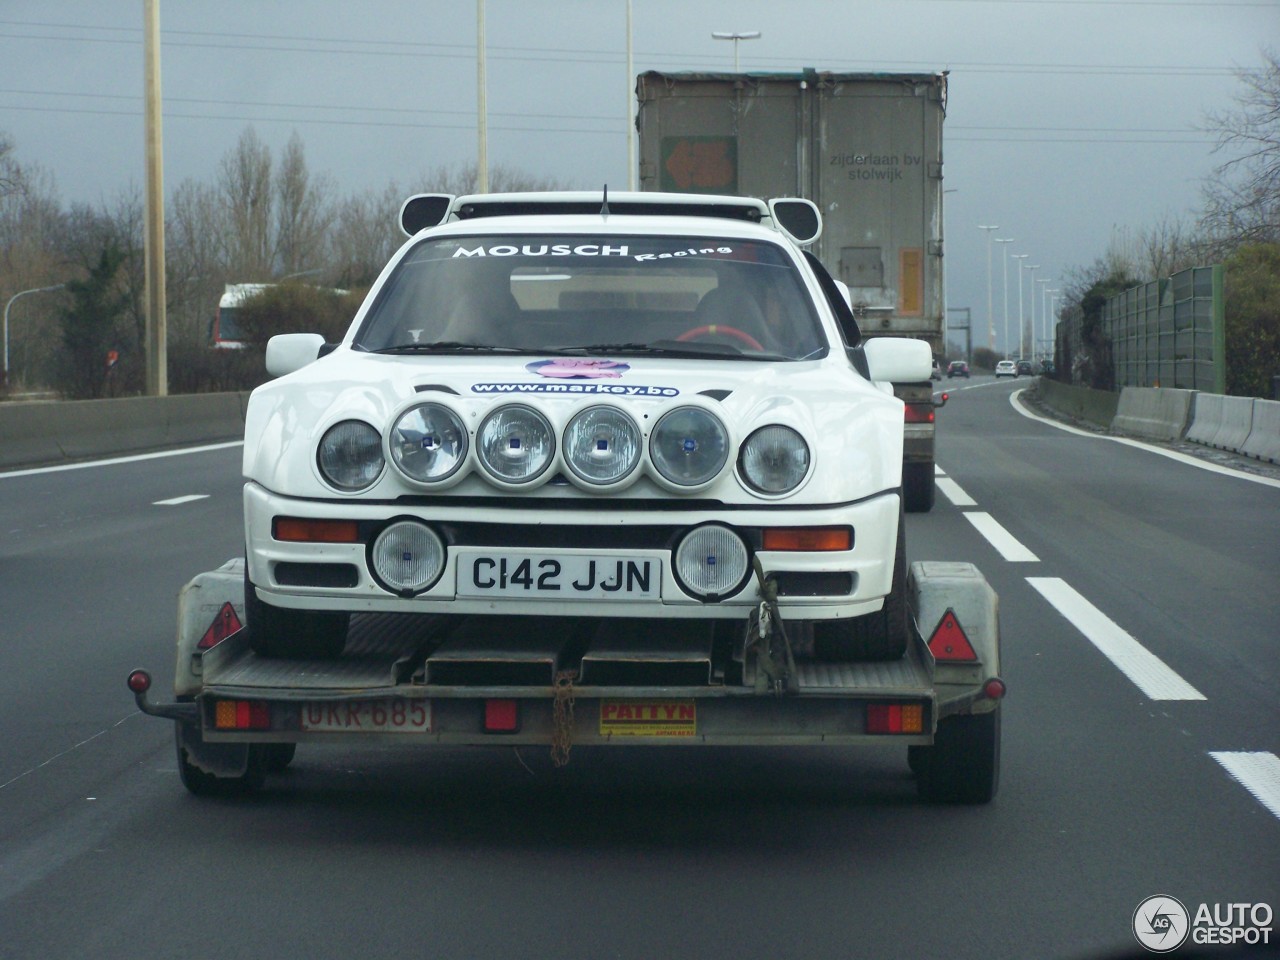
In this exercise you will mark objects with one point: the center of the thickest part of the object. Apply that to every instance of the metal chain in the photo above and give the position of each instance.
(562, 717)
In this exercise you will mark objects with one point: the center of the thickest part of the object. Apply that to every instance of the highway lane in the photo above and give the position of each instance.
(1108, 796)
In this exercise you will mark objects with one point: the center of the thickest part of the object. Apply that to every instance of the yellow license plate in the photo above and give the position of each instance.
(648, 718)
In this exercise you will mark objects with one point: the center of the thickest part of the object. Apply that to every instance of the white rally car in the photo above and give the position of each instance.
(586, 412)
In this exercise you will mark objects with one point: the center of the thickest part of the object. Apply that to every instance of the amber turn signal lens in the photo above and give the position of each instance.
(296, 530)
(809, 538)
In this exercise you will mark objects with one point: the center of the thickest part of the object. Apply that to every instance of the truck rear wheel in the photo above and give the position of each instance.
(203, 784)
(963, 765)
(877, 636)
(918, 487)
(292, 634)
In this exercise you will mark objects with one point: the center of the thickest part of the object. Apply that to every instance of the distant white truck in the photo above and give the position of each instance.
(586, 470)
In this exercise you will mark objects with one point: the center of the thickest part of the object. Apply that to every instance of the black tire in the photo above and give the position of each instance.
(203, 784)
(963, 765)
(292, 634)
(277, 756)
(918, 487)
(877, 636)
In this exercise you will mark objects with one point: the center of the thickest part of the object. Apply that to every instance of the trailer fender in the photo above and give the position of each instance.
(936, 589)
(201, 606)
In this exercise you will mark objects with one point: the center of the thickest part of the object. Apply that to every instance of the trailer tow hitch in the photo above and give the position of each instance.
(766, 635)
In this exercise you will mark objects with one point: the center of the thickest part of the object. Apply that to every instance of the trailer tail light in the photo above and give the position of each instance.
(299, 530)
(948, 642)
(501, 716)
(918, 413)
(895, 717)
(808, 539)
(241, 715)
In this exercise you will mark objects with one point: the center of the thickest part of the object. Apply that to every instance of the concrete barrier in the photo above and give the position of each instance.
(52, 432)
(1095, 406)
(1154, 412)
(1264, 435)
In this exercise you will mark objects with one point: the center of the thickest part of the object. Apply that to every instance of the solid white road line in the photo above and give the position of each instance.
(133, 459)
(951, 490)
(1171, 454)
(1152, 676)
(1259, 773)
(1000, 538)
(177, 500)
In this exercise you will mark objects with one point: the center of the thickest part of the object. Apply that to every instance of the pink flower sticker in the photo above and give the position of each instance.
(573, 368)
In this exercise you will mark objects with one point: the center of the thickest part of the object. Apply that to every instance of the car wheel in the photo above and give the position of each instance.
(877, 636)
(292, 634)
(918, 487)
(963, 765)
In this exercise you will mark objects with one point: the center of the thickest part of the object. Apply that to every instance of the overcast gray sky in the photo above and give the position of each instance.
(1068, 119)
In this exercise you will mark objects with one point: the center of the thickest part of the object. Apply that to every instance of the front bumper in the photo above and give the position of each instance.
(813, 585)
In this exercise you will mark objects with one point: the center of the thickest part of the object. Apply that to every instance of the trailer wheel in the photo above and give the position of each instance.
(292, 634)
(877, 636)
(277, 756)
(204, 784)
(918, 487)
(963, 765)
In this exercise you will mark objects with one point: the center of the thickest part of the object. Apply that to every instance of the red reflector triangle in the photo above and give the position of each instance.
(949, 642)
(224, 625)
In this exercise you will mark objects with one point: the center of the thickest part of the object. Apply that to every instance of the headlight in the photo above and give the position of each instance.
(515, 444)
(774, 459)
(350, 455)
(711, 561)
(689, 446)
(407, 557)
(602, 445)
(428, 443)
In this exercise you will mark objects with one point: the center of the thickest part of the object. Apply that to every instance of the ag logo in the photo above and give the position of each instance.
(1161, 924)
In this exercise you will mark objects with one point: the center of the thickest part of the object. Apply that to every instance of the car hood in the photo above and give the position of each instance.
(853, 429)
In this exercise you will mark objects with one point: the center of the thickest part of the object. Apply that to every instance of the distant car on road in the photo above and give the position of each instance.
(1006, 368)
(1026, 368)
(957, 368)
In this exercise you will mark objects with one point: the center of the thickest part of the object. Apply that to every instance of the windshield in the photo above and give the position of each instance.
(680, 295)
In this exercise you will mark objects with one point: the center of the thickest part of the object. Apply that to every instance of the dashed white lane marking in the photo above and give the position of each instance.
(177, 500)
(33, 471)
(1151, 674)
(951, 490)
(1259, 773)
(1000, 538)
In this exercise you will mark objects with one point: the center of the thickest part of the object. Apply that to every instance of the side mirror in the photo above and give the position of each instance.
(898, 359)
(799, 219)
(288, 352)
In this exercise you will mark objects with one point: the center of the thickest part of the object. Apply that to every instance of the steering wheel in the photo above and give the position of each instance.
(712, 329)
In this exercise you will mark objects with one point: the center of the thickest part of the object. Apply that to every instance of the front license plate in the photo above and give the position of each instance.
(395, 715)
(569, 577)
(648, 718)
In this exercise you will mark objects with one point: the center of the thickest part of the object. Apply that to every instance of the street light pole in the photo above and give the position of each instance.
(735, 36)
(991, 323)
(4, 375)
(1043, 314)
(1004, 245)
(1021, 266)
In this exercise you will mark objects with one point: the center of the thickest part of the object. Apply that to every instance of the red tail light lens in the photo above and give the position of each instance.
(241, 715)
(918, 413)
(895, 718)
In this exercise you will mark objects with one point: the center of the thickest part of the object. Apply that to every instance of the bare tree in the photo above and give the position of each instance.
(1243, 198)
(303, 213)
(244, 187)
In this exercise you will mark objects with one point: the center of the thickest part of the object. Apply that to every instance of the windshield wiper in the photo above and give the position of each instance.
(447, 345)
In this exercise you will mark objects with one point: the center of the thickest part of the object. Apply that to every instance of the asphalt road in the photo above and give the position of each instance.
(1111, 793)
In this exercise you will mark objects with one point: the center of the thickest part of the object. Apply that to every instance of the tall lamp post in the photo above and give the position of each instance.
(1004, 243)
(735, 36)
(1044, 315)
(1020, 257)
(991, 323)
(4, 376)
(1031, 290)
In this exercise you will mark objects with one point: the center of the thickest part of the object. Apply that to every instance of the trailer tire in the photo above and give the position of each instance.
(918, 487)
(278, 756)
(292, 634)
(963, 765)
(204, 784)
(877, 636)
